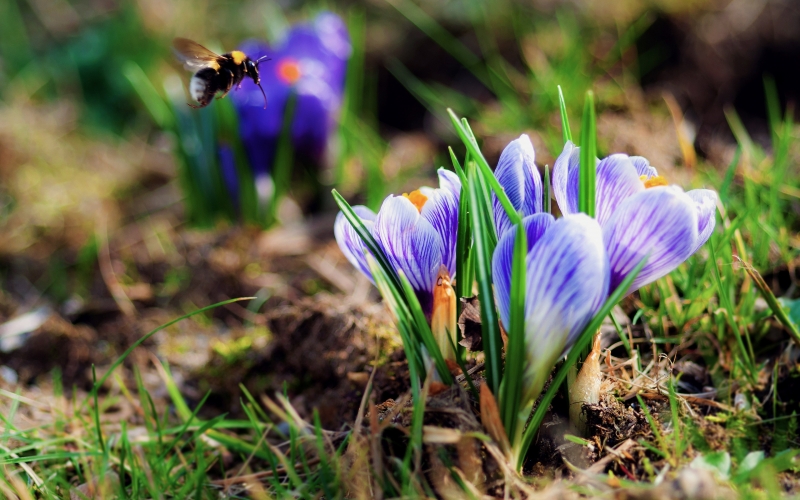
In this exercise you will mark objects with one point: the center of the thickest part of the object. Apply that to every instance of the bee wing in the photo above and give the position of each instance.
(193, 55)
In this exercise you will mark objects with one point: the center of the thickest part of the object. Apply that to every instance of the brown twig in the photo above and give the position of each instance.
(613, 453)
(260, 475)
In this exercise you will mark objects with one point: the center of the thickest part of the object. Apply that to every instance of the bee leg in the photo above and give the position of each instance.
(229, 85)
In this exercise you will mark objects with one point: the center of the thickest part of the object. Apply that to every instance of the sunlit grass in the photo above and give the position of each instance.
(710, 306)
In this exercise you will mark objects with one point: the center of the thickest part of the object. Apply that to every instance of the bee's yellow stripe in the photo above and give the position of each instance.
(238, 56)
(214, 65)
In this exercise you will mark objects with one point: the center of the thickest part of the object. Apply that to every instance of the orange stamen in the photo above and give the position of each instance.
(417, 198)
(289, 71)
(653, 181)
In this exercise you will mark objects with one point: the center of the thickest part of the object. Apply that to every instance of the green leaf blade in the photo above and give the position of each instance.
(483, 250)
(588, 166)
(512, 386)
(566, 132)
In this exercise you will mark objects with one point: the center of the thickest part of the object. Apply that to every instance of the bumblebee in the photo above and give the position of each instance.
(215, 73)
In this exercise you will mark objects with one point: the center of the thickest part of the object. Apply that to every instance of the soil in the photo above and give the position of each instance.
(319, 349)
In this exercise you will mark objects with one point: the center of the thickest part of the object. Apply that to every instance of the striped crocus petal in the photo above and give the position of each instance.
(350, 242)
(566, 172)
(643, 167)
(617, 179)
(705, 202)
(660, 223)
(567, 282)
(517, 173)
(450, 181)
(441, 210)
(411, 244)
(503, 258)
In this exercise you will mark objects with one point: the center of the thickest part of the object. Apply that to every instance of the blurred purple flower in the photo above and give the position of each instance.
(640, 214)
(311, 61)
(227, 166)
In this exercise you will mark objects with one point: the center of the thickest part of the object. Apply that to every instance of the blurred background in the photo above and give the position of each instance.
(116, 215)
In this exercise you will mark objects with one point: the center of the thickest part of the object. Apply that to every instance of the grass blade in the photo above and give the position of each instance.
(457, 167)
(227, 123)
(159, 110)
(588, 168)
(483, 266)
(773, 107)
(725, 301)
(136, 344)
(463, 249)
(441, 36)
(566, 132)
(394, 299)
(772, 301)
(96, 413)
(546, 201)
(472, 147)
(284, 160)
(511, 388)
(423, 330)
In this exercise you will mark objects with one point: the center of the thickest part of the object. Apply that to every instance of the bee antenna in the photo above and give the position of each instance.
(261, 59)
(264, 94)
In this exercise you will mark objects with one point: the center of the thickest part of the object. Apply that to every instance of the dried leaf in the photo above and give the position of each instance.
(469, 460)
(490, 417)
(436, 388)
(453, 367)
(358, 379)
(440, 435)
(470, 324)
(442, 480)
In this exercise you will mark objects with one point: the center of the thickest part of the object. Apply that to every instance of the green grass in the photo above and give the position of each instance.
(707, 305)
(708, 311)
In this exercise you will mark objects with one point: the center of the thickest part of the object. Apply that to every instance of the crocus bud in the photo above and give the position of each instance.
(586, 388)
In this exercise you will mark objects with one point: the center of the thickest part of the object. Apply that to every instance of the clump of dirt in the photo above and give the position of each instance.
(57, 343)
(451, 422)
(392, 378)
(297, 337)
(611, 422)
(317, 351)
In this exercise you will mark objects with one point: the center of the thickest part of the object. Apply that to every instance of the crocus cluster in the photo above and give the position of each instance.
(640, 214)
(572, 263)
(309, 64)
(417, 232)
(575, 261)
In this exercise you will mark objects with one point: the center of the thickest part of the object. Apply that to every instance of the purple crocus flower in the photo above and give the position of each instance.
(350, 243)
(566, 282)
(517, 173)
(640, 214)
(310, 62)
(417, 231)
